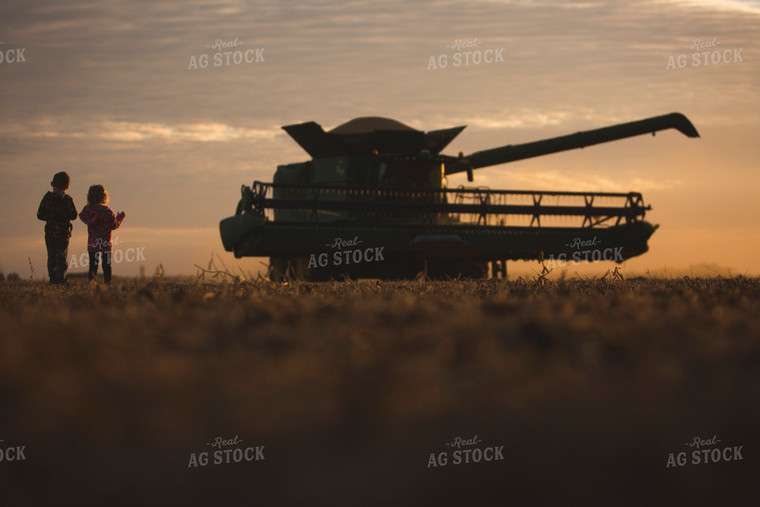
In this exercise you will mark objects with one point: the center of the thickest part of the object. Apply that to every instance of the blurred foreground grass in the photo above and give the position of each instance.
(588, 384)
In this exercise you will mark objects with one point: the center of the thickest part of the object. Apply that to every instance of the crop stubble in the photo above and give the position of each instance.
(588, 384)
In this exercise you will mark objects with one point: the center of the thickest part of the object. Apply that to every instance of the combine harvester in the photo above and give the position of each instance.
(373, 203)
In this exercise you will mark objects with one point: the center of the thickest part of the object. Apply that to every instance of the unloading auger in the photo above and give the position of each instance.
(373, 203)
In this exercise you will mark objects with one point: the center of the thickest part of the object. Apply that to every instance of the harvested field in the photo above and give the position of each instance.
(582, 389)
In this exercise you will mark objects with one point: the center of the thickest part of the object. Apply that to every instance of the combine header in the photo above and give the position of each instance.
(373, 203)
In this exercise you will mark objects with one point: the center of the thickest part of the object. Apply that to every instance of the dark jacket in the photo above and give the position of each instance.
(57, 210)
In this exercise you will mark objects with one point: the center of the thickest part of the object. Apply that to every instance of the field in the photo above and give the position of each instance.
(581, 388)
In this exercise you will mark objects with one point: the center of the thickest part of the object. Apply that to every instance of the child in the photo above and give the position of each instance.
(100, 222)
(57, 210)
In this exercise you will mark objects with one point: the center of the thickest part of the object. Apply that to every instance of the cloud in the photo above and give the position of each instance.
(532, 119)
(549, 3)
(126, 131)
(575, 181)
(744, 6)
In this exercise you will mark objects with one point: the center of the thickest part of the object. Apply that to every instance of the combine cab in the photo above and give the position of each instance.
(373, 203)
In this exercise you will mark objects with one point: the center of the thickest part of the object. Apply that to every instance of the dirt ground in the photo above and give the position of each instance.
(581, 392)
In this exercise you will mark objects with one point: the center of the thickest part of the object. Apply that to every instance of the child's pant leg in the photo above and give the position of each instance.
(50, 244)
(93, 265)
(106, 266)
(58, 250)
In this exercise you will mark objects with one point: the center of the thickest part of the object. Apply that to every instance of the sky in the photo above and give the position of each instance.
(113, 93)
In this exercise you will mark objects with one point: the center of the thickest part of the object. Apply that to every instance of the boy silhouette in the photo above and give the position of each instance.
(57, 210)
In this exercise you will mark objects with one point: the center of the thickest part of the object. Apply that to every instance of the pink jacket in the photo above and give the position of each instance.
(100, 222)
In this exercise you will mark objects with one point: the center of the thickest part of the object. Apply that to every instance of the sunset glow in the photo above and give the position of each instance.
(109, 94)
